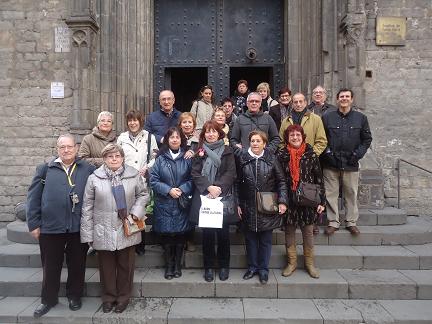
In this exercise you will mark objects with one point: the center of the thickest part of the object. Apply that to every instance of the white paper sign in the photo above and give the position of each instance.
(57, 90)
(211, 212)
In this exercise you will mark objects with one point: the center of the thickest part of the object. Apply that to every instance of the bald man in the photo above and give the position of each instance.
(159, 121)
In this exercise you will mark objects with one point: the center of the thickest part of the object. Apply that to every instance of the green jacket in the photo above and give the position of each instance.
(313, 128)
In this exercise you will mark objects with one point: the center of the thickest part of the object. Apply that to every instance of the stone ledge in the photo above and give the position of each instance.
(333, 284)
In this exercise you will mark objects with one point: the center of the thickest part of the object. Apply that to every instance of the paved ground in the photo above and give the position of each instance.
(231, 310)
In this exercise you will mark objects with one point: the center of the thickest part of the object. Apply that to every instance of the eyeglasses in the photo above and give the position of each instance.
(318, 92)
(254, 101)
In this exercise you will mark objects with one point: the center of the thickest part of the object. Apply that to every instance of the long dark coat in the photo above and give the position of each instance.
(225, 177)
(265, 175)
(310, 172)
(165, 174)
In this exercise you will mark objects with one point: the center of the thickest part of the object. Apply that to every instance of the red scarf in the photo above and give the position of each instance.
(294, 163)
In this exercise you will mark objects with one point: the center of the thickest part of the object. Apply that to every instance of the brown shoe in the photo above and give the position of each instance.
(353, 230)
(330, 230)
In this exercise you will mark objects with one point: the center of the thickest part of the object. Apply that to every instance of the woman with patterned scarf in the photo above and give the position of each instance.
(301, 165)
(213, 173)
(113, 192)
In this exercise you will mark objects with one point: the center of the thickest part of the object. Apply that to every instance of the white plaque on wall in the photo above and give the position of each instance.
(57, 90)
(62, 39)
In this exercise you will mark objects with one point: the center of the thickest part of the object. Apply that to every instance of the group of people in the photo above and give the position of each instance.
(239, 152)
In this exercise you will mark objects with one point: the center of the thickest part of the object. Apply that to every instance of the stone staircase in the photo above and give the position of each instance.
(382, 276)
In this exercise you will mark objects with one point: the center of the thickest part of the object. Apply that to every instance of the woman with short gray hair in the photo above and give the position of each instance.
(102, 134)
(113, 193)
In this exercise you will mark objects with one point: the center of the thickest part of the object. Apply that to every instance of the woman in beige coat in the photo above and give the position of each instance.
(92, 144)
(113, 192)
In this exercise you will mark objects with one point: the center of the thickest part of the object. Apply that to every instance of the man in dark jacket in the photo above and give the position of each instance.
(158, 122)
(254, 119)
(54, 203)
(319, 106)
(349, 137)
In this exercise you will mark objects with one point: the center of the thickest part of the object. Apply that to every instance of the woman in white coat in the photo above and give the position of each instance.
(140, 149)
(113, 192)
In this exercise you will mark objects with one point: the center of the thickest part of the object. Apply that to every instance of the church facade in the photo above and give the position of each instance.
(65, 61)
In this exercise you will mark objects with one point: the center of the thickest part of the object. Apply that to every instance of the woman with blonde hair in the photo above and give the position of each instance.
(219, 116)
(267, 101)
(102, 134)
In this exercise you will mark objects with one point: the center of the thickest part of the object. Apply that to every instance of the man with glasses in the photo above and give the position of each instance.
(54, 203)
(319, 106)
(281, 111)
(228, 107)
(158, 122)
(311, 123)
(254, 119)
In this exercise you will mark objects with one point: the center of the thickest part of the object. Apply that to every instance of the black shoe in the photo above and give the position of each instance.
(140, 250)
(107, 307)
(248, 275)
(41, 310)
(223, 274)
(263, 278)
(208, 275)
(75, 304)
(120, 308)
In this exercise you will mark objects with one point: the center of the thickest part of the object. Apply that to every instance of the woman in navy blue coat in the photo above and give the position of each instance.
(170, 177)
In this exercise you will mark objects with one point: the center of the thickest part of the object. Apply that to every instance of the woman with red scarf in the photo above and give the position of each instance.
(301, 165)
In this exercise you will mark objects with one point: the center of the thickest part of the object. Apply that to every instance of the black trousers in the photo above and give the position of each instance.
(53, 247)
(223, 246)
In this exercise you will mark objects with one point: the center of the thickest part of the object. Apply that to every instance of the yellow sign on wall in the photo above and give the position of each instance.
(390, 30)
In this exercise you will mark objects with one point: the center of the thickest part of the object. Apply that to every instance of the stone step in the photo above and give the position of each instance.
(225, 310)
(332, 284)
(416, 231)
(407, 257)
(17, 231)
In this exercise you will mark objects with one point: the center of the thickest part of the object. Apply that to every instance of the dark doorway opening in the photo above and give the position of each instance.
(253, 75)
(185, 83)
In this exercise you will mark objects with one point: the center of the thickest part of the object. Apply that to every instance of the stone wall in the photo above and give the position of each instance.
(398, 101)
(29, 120)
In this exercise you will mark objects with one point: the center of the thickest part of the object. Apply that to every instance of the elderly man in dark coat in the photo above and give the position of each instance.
(54, 203)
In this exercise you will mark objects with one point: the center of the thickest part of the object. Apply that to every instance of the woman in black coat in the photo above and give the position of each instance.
(213, 173)
(259, 171)
(301, 165)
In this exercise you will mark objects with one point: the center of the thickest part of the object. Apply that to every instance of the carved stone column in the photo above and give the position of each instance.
(84, 29)
(353, 28)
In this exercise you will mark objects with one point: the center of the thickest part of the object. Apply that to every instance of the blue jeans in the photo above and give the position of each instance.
(258, 248)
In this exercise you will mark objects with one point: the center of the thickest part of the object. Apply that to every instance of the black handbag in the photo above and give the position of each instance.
(267, 202)
(230, 214)
(308, 195)
(185, 201)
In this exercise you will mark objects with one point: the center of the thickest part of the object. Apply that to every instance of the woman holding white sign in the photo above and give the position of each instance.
(263, 202)
(213, 173)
